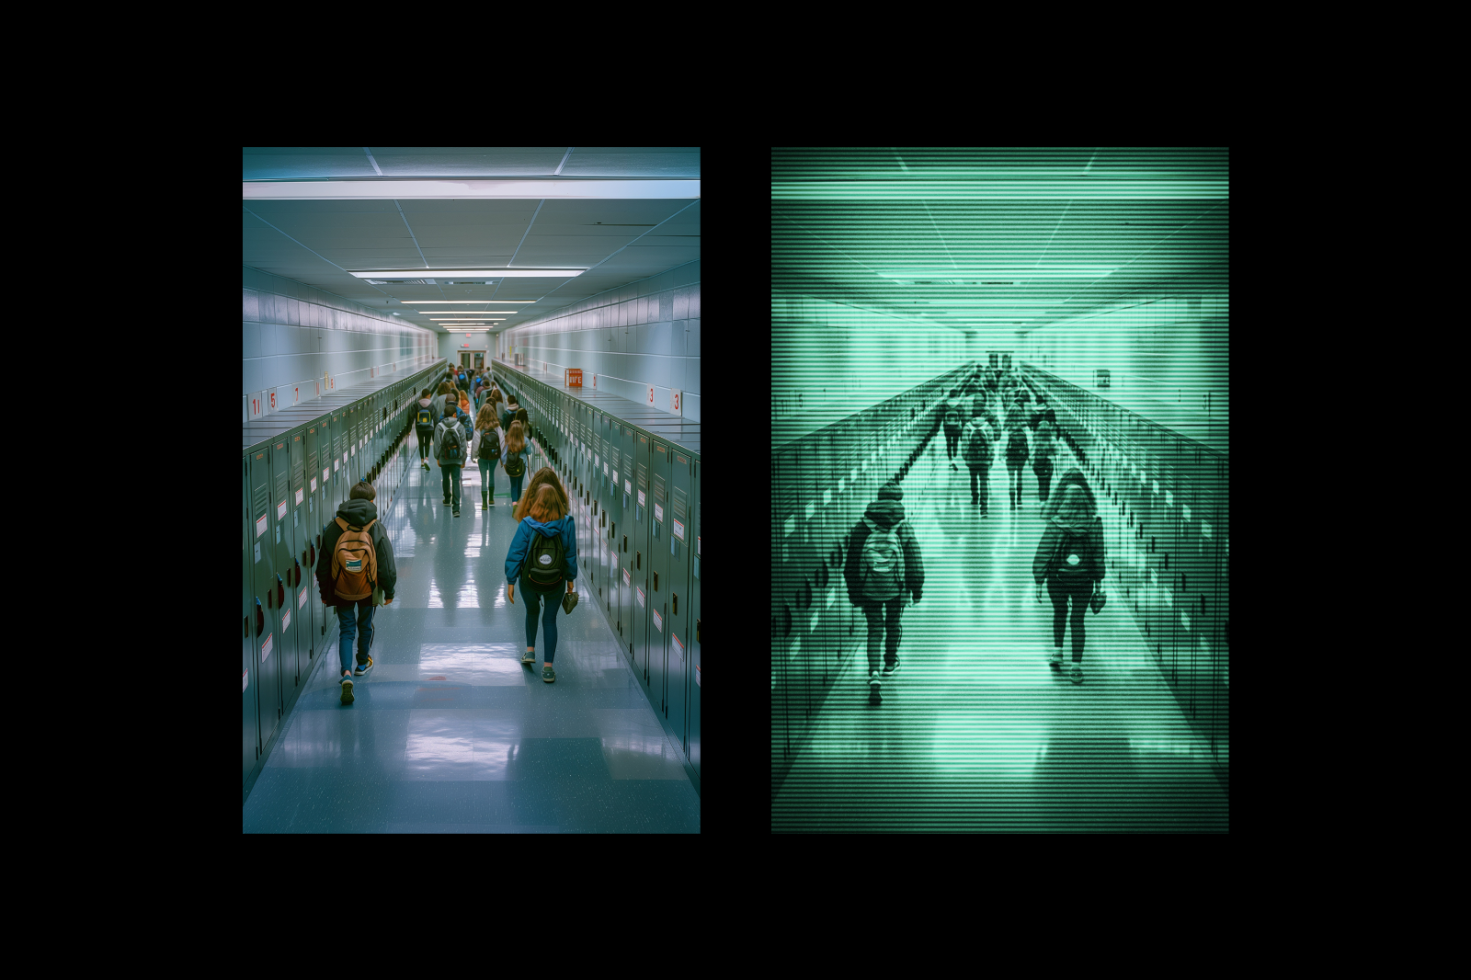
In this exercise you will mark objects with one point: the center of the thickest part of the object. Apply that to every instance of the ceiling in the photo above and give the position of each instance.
(996, 239)
(319, 242)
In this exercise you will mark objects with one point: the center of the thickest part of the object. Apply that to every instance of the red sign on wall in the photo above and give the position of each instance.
(573, 377)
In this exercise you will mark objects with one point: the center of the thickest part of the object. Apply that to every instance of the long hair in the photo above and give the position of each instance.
(546, 476)
(485, 418)
(546, 506)
(445, 388)
(1073, 477)
(515, 441)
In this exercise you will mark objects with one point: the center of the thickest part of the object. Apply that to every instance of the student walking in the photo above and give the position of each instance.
(975, 449)
(514, 455)
(548, 476)
(952, 415)
(354, 567)
(883, 570)
(450, 451)
(1017, 452)
(1042, 452)
(1070, 559)
(426, 416)
(543, 557)
(508, 414)
(486, 451)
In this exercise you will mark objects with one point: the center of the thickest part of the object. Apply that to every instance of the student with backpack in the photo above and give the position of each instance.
(883, 569)
(952, 416)
(451, 450)
(1070, 559)
(1042, 452)
(354, 569)
(543, 557)
(486, 451)
(1017, 451)
(426, 416)
(975, 449)
(508, 414)
(514, 453)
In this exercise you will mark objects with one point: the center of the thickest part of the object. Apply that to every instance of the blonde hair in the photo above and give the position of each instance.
(546, 476)
(485, 418)
(515, 441)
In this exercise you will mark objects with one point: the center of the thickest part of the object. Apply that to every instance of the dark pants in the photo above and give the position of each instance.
(553, 602)
(426, 436)
(952, 440)
(883, 627)
(1014, 476)
(451, 475)
(1079, 589)
(1044, 477)
(354, 618)
(978, 484)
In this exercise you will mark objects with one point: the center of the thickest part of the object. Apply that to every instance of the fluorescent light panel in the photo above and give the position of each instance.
(1048, 272)
(427, 312)
(473, 274)
(503, 302)
(453, 190)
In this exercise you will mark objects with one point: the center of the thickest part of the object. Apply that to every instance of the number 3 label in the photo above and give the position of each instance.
(651, 396)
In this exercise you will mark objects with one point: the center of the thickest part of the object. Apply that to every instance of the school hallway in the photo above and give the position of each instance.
(449, 731)
(975, 731)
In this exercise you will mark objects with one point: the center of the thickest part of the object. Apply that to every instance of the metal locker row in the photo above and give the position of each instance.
(294, 478)
(1164, 499)
(821, 484)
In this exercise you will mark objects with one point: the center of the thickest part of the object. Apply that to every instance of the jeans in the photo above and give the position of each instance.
(978, 485)
(451, 474)
(952, 440)
(1043, 470)
(516, 486)
(548, 619)
(487, 476)
(1080, 590)
(425, 438)
(882, 632)
(352, 622)
(1014, 475)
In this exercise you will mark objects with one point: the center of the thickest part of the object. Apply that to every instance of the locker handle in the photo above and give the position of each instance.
(245, 622)
(280, 592)
(298, 576)
(625, 544)
(675, 596)
(697, 631)
(638, 560)
(260, 616)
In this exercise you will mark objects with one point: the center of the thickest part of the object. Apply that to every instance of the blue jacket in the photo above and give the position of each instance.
(522, 542)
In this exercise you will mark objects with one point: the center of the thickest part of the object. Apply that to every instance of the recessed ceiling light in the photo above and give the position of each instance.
(427, 312)
(503, 302)
(449, 273)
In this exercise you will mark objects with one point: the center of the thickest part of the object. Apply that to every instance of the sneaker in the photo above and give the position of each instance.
(347, 689)
(891, 669)
(1076, 673)
(528, 657)
(364, 668)
(952, 465)
(457, 512)
(1054, 660)
(547, 674)
(873, 688)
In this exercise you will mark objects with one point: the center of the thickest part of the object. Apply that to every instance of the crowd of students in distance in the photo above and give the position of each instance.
(465, 419)
(990, 412)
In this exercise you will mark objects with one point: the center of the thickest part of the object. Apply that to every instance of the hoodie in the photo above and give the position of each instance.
(357, 513)
(460, 419)
(1084, 530)
(429, 403)
(880, 516)
(521, 543)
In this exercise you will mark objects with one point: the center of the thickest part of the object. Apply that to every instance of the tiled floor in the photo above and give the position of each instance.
(975, 732)
(449, 732)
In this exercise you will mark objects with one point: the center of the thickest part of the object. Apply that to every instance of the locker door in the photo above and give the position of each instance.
(298, 596)
(339, 462)
(639, 563)
(313, 522)
(660, 474)
(627, 439)
(283, 622)
(609, 522)
(599, 563)
(250, 738)
(680, 535)
(693, 623)
(263, 598)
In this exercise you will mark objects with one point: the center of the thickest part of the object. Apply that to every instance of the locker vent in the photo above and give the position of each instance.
(260, 501)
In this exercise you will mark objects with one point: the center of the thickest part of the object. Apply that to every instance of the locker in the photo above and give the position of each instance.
(638, 561)
(263, 597)
(609, 521)
(693, 623)
(284, 621)
(680, 535)
(298, 596)
(248, 724)
(660, 475)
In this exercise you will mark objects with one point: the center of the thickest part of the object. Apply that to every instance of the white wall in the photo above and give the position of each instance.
(301, 342)
(645, 333)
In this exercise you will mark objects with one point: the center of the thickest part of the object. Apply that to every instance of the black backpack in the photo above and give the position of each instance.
(515, 465)
(426, 419)
(490, 446)
(1016, 446)
(1073, 544)
(543, 568)
(451, 448)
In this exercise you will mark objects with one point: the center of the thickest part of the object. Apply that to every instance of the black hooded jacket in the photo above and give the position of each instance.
(356, 513)
(883, 514)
